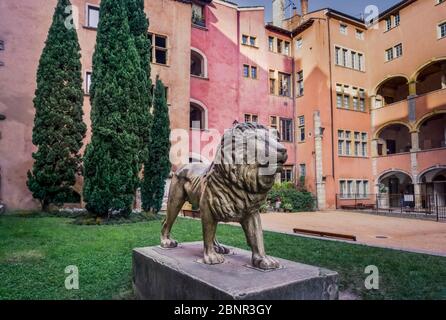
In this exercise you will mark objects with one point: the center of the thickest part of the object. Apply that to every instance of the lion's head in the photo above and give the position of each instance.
(249, 156)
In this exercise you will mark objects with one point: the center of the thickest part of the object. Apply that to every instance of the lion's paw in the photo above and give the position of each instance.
(265, 263)
(221, 249)
(213, 258)
(168, 243)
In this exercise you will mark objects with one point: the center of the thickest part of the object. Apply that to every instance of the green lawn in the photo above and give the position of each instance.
(35, 251)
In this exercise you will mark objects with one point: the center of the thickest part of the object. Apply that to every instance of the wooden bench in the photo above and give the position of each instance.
(325, 234)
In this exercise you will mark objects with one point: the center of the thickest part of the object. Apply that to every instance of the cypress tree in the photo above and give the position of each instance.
(58, 127)
(157, 167)
(113, 159)
(139, 24)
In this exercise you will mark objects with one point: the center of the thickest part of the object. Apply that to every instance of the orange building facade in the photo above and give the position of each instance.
(361, 107)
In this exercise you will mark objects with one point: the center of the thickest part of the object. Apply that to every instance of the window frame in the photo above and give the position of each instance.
(343, 28)
(439, 28)
(301, 129)
(87, 15)
(282, 76)
(203, 22)
(154, 48)
(88, 75)
(291, 133)
(300, 83)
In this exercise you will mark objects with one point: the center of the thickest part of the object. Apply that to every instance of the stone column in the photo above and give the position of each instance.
(415, 141)
(374, 147)
(443, 76)
(413, 88)
(320, 183)
(418, 198)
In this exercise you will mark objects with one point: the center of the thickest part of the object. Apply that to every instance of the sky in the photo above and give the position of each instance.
(351, 7)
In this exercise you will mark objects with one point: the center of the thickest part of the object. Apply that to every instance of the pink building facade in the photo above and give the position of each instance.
(361, 108)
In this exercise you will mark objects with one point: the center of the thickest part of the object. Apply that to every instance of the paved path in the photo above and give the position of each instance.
(407, 234)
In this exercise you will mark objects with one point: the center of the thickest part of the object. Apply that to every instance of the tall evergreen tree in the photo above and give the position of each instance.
(58, 127)
(139, 25)
(157, 167)
(113, 158)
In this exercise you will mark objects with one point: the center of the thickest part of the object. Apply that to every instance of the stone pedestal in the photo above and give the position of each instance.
(179, 274)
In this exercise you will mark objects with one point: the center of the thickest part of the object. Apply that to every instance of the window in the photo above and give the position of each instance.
(197, 64)
(354, 63)
(246, 71)
(279, 45)
(159, 48)
(398, 50)
(166, 91)
(301, 128)
(359, 34)
(360, 62)
(197, 117)
(251, 117)
(342, 96)
(284, 84)
(354, 189)
(388, 23)
(337, 55)
(299, 43)
(252, 41)
(87, 82)
(244, 39)
(344, 57)
(92, 16)
(346, 141)
(286, 48)
(286, 130)
(397, 19)
(272, 82)
(284, 126)
(198, 15)
(286, 174)
(249, 71)
(271, 44)
(348, 58)
(249, 41)
(254, 72)
(273, 122)
(343, 28)
(389, 54)
(393, 21)
(395, 52)
(300, 83)
(303, 170)
(442, 30)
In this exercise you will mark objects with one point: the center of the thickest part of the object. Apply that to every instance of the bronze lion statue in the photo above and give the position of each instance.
(228, 190)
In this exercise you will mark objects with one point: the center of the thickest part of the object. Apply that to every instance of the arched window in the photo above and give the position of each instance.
(392, 90)
(198, 64)
(432, 77)
(197, 116)
(393, 139)
(433, 132)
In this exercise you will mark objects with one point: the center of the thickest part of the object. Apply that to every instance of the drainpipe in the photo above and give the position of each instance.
(331, 101)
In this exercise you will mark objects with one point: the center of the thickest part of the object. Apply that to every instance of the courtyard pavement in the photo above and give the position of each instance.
(398, 233)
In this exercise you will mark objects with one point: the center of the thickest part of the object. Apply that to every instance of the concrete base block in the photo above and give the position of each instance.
(179, 274)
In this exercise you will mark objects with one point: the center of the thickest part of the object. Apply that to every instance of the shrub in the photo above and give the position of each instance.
(291, 198)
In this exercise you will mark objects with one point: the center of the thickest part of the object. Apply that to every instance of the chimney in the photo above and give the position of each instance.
(304, 7)
(278, 12)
